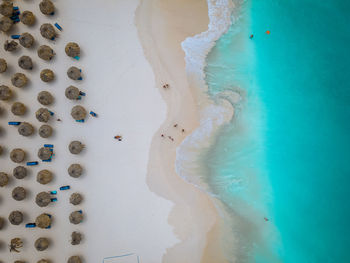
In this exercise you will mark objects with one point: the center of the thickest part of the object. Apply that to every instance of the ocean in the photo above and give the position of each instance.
(281, 166)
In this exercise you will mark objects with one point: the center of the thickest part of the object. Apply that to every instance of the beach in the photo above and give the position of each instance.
(134, 201)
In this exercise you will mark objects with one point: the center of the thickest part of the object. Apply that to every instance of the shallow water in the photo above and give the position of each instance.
(286, 154)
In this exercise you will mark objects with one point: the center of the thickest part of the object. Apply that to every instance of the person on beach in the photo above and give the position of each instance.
(118, 137)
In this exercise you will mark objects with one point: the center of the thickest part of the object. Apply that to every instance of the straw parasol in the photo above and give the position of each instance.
(19, 193)
(26, 40)
(4, 179)
(76, 217)
(72, 49)
(47, 75)
(20, 172)
(75, 199)
(43, 115)
(76, 238)
(45, 98)
(45, 131)
(75, 147)
(5, 24)
(16, 217)
(44, 177)
(75, 170)
(72, 93)
(43, 221)
(74, 259)
(5, 93)
(25, 62)
(78, 112)
(47, 31)
(17, 155)
(44, 153)
(47, 7)
(74, 73)
(6, 8)
(19, 80)
(28, 18)
(43, 199)
(10, 45)
(2, 222)
(45, 52)
(18, 109)
(3, 65)
(41, 243)
(25, 129)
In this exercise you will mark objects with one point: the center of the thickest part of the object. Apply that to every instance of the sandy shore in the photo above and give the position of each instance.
(163, 25)
(121, 214)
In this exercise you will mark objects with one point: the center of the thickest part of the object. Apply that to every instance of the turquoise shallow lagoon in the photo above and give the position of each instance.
(286, 154)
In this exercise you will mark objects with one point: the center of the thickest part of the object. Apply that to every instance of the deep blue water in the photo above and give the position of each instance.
(286, 155)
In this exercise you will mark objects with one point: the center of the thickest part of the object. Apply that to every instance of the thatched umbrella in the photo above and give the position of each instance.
(47, 31)
(47, 7)
(19, 80)
(41, 243)
(72, 50)
(5, 93)
(19, 193)
(75, 170)
(27, 18)
(76, 238)
(25, 62)
(3, 65)
(44, 177)
(75, 147)
(25, 129)
(20, 172)
(45, 52)
(26, 40)
(72, 93)
(6, 8)
(45, 131)
(44, 153)
(78, 112)
(17, 155)
(74, 73)
(44, 261)
(18, 109)
(76, 217)
(74, 259)
(4, 179)
(43, 115)
(47, 75)
(75, 199)
(2, 222)
(16, 218)
(45, 98)
(10, 45)
(5, 24)
(43, 221)
(43, 199)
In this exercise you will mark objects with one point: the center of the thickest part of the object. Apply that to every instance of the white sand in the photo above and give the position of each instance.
(121, 214)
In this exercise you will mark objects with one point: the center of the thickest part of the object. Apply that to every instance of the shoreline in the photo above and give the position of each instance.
(186, 102)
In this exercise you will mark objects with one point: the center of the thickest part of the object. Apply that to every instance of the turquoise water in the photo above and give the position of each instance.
(286, 155)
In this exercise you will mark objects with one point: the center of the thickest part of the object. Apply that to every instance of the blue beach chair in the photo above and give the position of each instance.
(30, 225)
(15, 36)
(32, 163)
(14, 123)
(93, 114)
(58, 27)
(66, 187)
